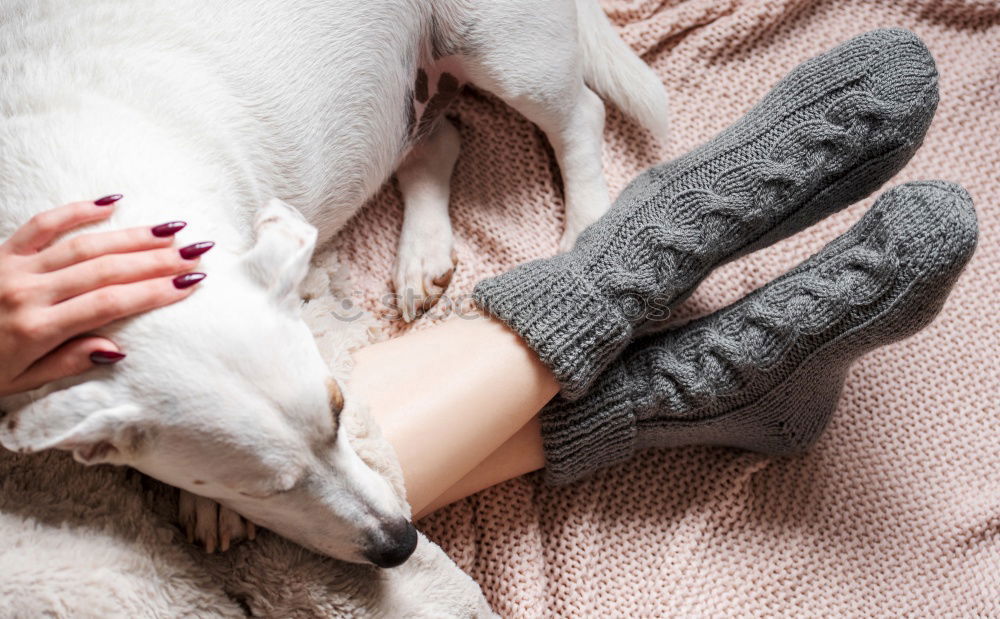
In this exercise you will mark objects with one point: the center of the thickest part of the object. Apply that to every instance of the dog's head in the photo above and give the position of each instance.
(226, 395)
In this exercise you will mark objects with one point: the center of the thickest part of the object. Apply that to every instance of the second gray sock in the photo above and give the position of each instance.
(765, 373)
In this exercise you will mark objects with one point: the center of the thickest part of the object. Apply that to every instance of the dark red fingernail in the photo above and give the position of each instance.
(105, 357)
(106, 200)
(193, 251)
(168, 229)
(187, 280)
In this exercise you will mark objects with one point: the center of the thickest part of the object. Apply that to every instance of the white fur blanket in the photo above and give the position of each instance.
(103, 541)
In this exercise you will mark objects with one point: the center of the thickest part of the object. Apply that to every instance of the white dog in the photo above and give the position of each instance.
(259, 123)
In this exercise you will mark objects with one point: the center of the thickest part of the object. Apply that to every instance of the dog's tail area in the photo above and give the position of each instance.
(612, 69)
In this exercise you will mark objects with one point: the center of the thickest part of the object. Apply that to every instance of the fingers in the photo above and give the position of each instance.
(72, 358)
(116, 269)
(93, 310)
(46, 226)
(89, 246)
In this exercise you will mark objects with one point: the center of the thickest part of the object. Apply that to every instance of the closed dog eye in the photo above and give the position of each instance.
(283, 483)
(257, 496)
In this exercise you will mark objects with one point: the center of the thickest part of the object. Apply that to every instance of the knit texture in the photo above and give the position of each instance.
(832, 131)
(766, 372)
(894, 511)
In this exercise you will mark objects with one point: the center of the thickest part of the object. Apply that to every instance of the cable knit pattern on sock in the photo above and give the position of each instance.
(894, 510)
(831, 132)
(765, 373)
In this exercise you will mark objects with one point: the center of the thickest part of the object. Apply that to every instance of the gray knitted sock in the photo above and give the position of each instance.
(765, 373)
(832, 131)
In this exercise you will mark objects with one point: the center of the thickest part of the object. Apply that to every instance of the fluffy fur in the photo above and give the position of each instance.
(265, 125)
(103, 542)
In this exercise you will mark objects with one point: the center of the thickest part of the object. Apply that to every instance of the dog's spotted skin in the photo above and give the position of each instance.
(431, 97)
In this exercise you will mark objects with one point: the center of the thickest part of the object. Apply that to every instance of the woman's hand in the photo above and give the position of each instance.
(52, 291)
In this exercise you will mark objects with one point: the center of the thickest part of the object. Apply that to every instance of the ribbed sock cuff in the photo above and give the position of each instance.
(570, 324)
(582, 437)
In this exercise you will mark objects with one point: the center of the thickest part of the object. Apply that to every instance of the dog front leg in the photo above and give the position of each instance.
(426, 258)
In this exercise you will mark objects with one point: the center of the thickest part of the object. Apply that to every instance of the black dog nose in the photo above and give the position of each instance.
(394, 545)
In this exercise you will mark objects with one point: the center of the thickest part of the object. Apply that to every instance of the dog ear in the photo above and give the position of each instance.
(87, 419)
(110, 435)
(279, 260)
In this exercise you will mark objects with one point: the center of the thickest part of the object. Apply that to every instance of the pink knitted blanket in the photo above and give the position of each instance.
(897, 509)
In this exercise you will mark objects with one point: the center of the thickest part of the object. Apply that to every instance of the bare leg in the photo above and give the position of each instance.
(448, 397)
(520, 455)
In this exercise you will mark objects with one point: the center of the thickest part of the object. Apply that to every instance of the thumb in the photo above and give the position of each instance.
(74, 357)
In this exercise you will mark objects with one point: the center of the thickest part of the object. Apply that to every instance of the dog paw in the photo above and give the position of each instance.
(211, 525)
(420, 276)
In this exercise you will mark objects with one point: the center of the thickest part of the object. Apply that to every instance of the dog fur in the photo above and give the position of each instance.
(266, 125)
(103, 543)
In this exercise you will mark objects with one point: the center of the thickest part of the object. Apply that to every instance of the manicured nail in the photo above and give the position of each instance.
(193, 251)
(107, 200)
(105, 357)
(168, 229)
(187, 280)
